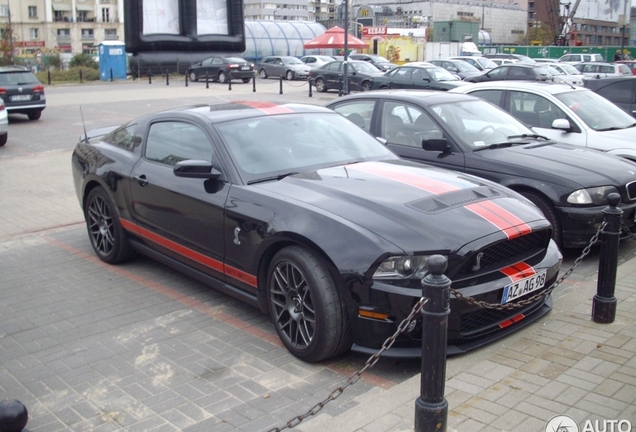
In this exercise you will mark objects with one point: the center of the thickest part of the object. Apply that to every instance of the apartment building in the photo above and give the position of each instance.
(65, 26)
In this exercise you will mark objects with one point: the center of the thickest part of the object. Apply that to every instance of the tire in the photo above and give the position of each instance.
(365, 86)
(246, 80)
(305, 305)
(550, 214)
(108, 238)
(289, 75)
(193, 77)
(3, 139)
(321, 86)
(262, 74)
(35, 115)
(222, 77)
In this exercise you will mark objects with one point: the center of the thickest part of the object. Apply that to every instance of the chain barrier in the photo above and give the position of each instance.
(371, 361)
(532, 299)
(628, 232)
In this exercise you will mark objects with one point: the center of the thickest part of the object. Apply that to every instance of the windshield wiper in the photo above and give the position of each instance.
(272, 178)
(528, 136)
(496, 145)
(615, 128)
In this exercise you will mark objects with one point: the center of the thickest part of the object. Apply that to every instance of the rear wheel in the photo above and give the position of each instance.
(262, 73)
(3, 139)
(320, 85)
(305, 305)
(193, 77)
(35, 115)
(222, 77)
(246, 80)
(550, 214)
(108, 238)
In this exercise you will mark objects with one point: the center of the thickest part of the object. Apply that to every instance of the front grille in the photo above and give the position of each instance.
(631, 190)
(507, 251)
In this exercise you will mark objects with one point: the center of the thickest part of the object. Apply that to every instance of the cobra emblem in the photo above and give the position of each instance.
(477, 264)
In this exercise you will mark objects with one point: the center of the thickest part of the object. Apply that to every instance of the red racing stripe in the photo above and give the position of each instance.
(191, 254)
(416, 180)
(266, 107)
(510, 224)
(518, 271)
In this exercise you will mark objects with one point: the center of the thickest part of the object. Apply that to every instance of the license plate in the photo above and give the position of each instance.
(245, 68)
(523, 287)
(21, 98)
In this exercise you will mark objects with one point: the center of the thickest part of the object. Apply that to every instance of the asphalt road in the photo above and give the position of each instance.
(44, 251)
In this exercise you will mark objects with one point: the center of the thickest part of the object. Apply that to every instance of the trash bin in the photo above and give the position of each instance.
(112, 56)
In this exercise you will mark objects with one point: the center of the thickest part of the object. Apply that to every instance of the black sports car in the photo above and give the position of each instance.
(329, 76)
(221, 68)
(570, 184)
(293, 209)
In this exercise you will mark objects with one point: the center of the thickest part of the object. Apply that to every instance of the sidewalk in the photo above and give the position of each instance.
(565, 364)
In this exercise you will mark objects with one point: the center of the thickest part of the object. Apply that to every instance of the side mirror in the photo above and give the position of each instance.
(438, 145)
(195, 169)
(562, 124)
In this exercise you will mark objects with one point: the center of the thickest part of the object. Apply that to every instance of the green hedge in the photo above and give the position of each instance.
(68, 76)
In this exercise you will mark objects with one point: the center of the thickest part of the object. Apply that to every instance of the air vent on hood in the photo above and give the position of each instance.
(459, 198)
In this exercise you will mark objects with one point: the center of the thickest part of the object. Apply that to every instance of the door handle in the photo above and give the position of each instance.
(141, 180)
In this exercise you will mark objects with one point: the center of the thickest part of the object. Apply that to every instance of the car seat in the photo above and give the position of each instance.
(394, 131)
(358, 120)
(543, 112)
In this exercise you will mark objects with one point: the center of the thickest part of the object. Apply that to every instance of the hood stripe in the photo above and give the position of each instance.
(190, 254)
(266, 107)
(518, 271)
(511, 225)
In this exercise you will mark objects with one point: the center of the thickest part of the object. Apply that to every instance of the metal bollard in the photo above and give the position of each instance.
(80, 76)
(111, 74)
(186, 79)
(229, 81)
(48, 76)
(167, 77)
(340, 85)
(309, 81)
(13, 416)
(604, 302)
(207, 80)
(254, 84)
(431, 408)
(149, 77)
(281, 85)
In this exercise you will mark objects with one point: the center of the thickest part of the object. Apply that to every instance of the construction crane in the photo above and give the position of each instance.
(566, 35)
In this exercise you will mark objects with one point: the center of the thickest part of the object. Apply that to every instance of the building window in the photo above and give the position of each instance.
(33, 12)
(63, 33)
(110, 34)
(105, 14)
(87, 34)
(59, 16)
(33, 33)
(4, 10)
(82, 16)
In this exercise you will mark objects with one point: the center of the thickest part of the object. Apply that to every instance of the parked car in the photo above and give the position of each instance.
(295, 210)
(545, 60)
(569, 184)
(21, 92)
(316, 60)
(378, 61)
(329, 76)
(619, 90)
(459, 68)
(578, 58)
(502, 61)
(564, 113)
(412, 76)
(516, 71)
(509, 56)
(631, 64)
(219, 68)
(482, 63)
(603, 70)
(4, 124)
(287, 67)
(566, 73)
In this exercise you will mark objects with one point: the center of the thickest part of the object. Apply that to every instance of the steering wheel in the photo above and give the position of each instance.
(485, 128)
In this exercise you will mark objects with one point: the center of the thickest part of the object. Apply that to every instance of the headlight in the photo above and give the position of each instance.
(403, 267)
(597, 195)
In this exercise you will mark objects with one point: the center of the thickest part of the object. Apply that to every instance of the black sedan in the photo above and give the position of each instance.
(329, 76)
(570, 184)
(458, 67)
(219, 68)
(295, 210)
(515, 71)
(417, 76)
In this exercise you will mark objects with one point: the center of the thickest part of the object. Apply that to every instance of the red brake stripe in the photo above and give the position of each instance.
(266, 107)
(518, 271)
(510, 224)
(191, 254)
(416, 180)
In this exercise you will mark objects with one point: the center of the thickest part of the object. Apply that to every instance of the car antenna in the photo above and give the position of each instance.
(83, 125)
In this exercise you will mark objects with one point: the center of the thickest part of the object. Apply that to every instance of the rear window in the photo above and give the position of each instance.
(17, 78)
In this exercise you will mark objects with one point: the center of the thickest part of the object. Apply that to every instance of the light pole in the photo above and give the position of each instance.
(345, 66)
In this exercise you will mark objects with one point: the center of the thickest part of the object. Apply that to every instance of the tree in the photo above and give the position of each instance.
(7, 43)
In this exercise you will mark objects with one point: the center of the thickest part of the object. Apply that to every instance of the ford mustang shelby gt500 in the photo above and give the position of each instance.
(294, 209)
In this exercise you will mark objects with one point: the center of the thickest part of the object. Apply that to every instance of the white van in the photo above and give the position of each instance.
(578, 58)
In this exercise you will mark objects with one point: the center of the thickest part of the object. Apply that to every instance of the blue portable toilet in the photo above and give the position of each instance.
(112, 56)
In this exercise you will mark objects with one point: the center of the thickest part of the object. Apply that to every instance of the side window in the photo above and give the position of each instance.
(334, 67)
(534, 110)
(587, 58)
(172, 141)
(407, 125)
(124, 137)
(620, 92)
(217, 60)
(403, 73)
(500, 71)
(518, 72)
(359, 112)
(419, 75)
(492, 96)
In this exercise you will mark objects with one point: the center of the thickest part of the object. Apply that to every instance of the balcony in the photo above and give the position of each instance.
(111, 37)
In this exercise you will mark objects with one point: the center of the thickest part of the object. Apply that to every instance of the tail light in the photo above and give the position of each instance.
(38, 89)
(3, 91)
(2, 107)
(232, 66)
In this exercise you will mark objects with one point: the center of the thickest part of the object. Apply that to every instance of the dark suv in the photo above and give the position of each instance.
(21, 92)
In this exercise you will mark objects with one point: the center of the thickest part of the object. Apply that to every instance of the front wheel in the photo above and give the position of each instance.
(550, 214)
(305, 305)
(366, 86)
(108, 238)
(320, 85)
(289, 75)
(262, 73)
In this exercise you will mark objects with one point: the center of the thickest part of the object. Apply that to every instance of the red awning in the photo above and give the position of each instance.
(334, 38)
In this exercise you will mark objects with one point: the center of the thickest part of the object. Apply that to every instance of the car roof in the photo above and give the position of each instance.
(13, 68)
(429, 97)
(603, 81)
(541, 87)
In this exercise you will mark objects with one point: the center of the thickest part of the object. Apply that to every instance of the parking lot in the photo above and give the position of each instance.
(139, 347)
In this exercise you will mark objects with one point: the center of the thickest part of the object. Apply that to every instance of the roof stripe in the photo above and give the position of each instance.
(266, 107)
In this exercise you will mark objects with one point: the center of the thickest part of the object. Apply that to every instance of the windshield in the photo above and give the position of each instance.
(486, 63)
(292, 60)
(275, 145)
(17, 78)
(479, 123)
(569, 69)
(441, 74)
(362, 66)
(380, 59)
(464, 67)
(595, 111)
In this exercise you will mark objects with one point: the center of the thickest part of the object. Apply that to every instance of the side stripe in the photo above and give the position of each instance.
(518, 271)
(190, 254)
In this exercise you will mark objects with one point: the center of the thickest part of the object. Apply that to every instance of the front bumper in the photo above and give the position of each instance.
(580, 224)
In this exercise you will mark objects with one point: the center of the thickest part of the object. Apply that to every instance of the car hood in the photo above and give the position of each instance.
(563, 164)
(413, 206)
(625, 136)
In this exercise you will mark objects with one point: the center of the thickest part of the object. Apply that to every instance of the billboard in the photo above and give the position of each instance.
(602, 10)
